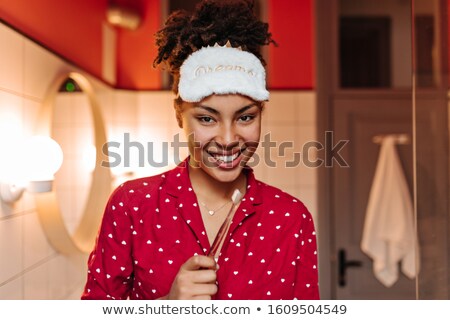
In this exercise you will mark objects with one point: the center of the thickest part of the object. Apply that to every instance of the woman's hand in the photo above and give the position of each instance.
(196, 280)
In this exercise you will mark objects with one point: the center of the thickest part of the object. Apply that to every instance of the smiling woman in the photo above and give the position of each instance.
(164, 237)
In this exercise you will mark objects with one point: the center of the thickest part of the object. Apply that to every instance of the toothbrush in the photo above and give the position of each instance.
(220, 237)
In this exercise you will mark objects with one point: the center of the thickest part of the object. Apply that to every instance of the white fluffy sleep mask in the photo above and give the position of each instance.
(222, 70)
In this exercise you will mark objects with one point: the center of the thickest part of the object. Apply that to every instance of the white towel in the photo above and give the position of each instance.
(388, 235)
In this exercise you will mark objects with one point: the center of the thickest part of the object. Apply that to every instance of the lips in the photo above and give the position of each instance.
(225, 160)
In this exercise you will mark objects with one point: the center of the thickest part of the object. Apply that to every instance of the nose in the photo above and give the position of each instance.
(227, 136)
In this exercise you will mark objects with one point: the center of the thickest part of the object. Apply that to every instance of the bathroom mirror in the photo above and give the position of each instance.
(73, 129)
(72, 212)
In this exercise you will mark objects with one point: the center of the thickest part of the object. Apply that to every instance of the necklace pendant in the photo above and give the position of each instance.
(211, 212)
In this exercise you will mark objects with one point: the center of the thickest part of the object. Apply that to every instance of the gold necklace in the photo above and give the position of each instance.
(212, 212)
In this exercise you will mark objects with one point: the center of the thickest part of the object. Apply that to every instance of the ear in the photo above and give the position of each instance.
(178, 115)
(179, 119)
(178, 106)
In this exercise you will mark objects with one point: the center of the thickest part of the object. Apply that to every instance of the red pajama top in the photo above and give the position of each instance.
(151, 226)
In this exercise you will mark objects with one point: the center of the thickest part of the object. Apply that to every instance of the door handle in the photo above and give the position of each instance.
(343, 264)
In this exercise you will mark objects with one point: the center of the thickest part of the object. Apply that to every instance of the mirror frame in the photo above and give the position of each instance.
(83, 239)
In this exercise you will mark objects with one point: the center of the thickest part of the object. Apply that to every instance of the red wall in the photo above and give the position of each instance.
(291, 64)
(72, 29)
(136, 51)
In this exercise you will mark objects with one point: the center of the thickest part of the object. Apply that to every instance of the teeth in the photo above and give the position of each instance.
(226, 158)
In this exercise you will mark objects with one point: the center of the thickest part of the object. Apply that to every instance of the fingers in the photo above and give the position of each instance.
(196, 279)
(190, 277)
(206, 297)
(196, 290)
(184, 290)
(199, 262)
(203, 276)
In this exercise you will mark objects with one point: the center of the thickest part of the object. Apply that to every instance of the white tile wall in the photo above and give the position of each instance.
(11, 115)
(30, 112)
(29, 267)
(12, 290)
(35, 245)
(37, 283)
(37, 61)
(58, 284)
(11, 73)
(11, 238)
(157, 129)
(290, 116)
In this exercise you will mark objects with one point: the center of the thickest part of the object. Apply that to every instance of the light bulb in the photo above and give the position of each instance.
(44, 158)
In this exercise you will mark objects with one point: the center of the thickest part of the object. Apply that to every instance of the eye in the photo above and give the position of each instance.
(246, 118)
(205, 119)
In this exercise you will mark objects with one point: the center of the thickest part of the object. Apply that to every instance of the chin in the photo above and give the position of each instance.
(224, 176)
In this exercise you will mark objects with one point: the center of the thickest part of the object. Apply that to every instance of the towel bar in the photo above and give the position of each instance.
(400, 138)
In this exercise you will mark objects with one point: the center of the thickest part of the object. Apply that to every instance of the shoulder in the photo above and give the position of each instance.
(272, 194)
(142, 185)
(279, 200)
(139, 188)
(288, 213)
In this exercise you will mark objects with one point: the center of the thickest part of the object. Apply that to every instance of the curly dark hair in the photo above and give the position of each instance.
(213, 21)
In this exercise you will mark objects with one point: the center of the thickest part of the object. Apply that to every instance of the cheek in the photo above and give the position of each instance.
(252, 133)
(196, 135)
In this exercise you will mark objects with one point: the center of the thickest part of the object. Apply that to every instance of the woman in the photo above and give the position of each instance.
(157, 233)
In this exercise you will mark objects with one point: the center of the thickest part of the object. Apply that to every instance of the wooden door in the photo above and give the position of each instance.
(358, 118)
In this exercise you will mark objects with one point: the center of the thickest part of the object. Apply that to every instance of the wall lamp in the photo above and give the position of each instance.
(31, 168)
(120, 16)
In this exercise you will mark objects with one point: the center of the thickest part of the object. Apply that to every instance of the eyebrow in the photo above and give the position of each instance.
(214, 111)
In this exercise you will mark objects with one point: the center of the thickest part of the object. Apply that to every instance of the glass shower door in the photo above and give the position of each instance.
(430, 109)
